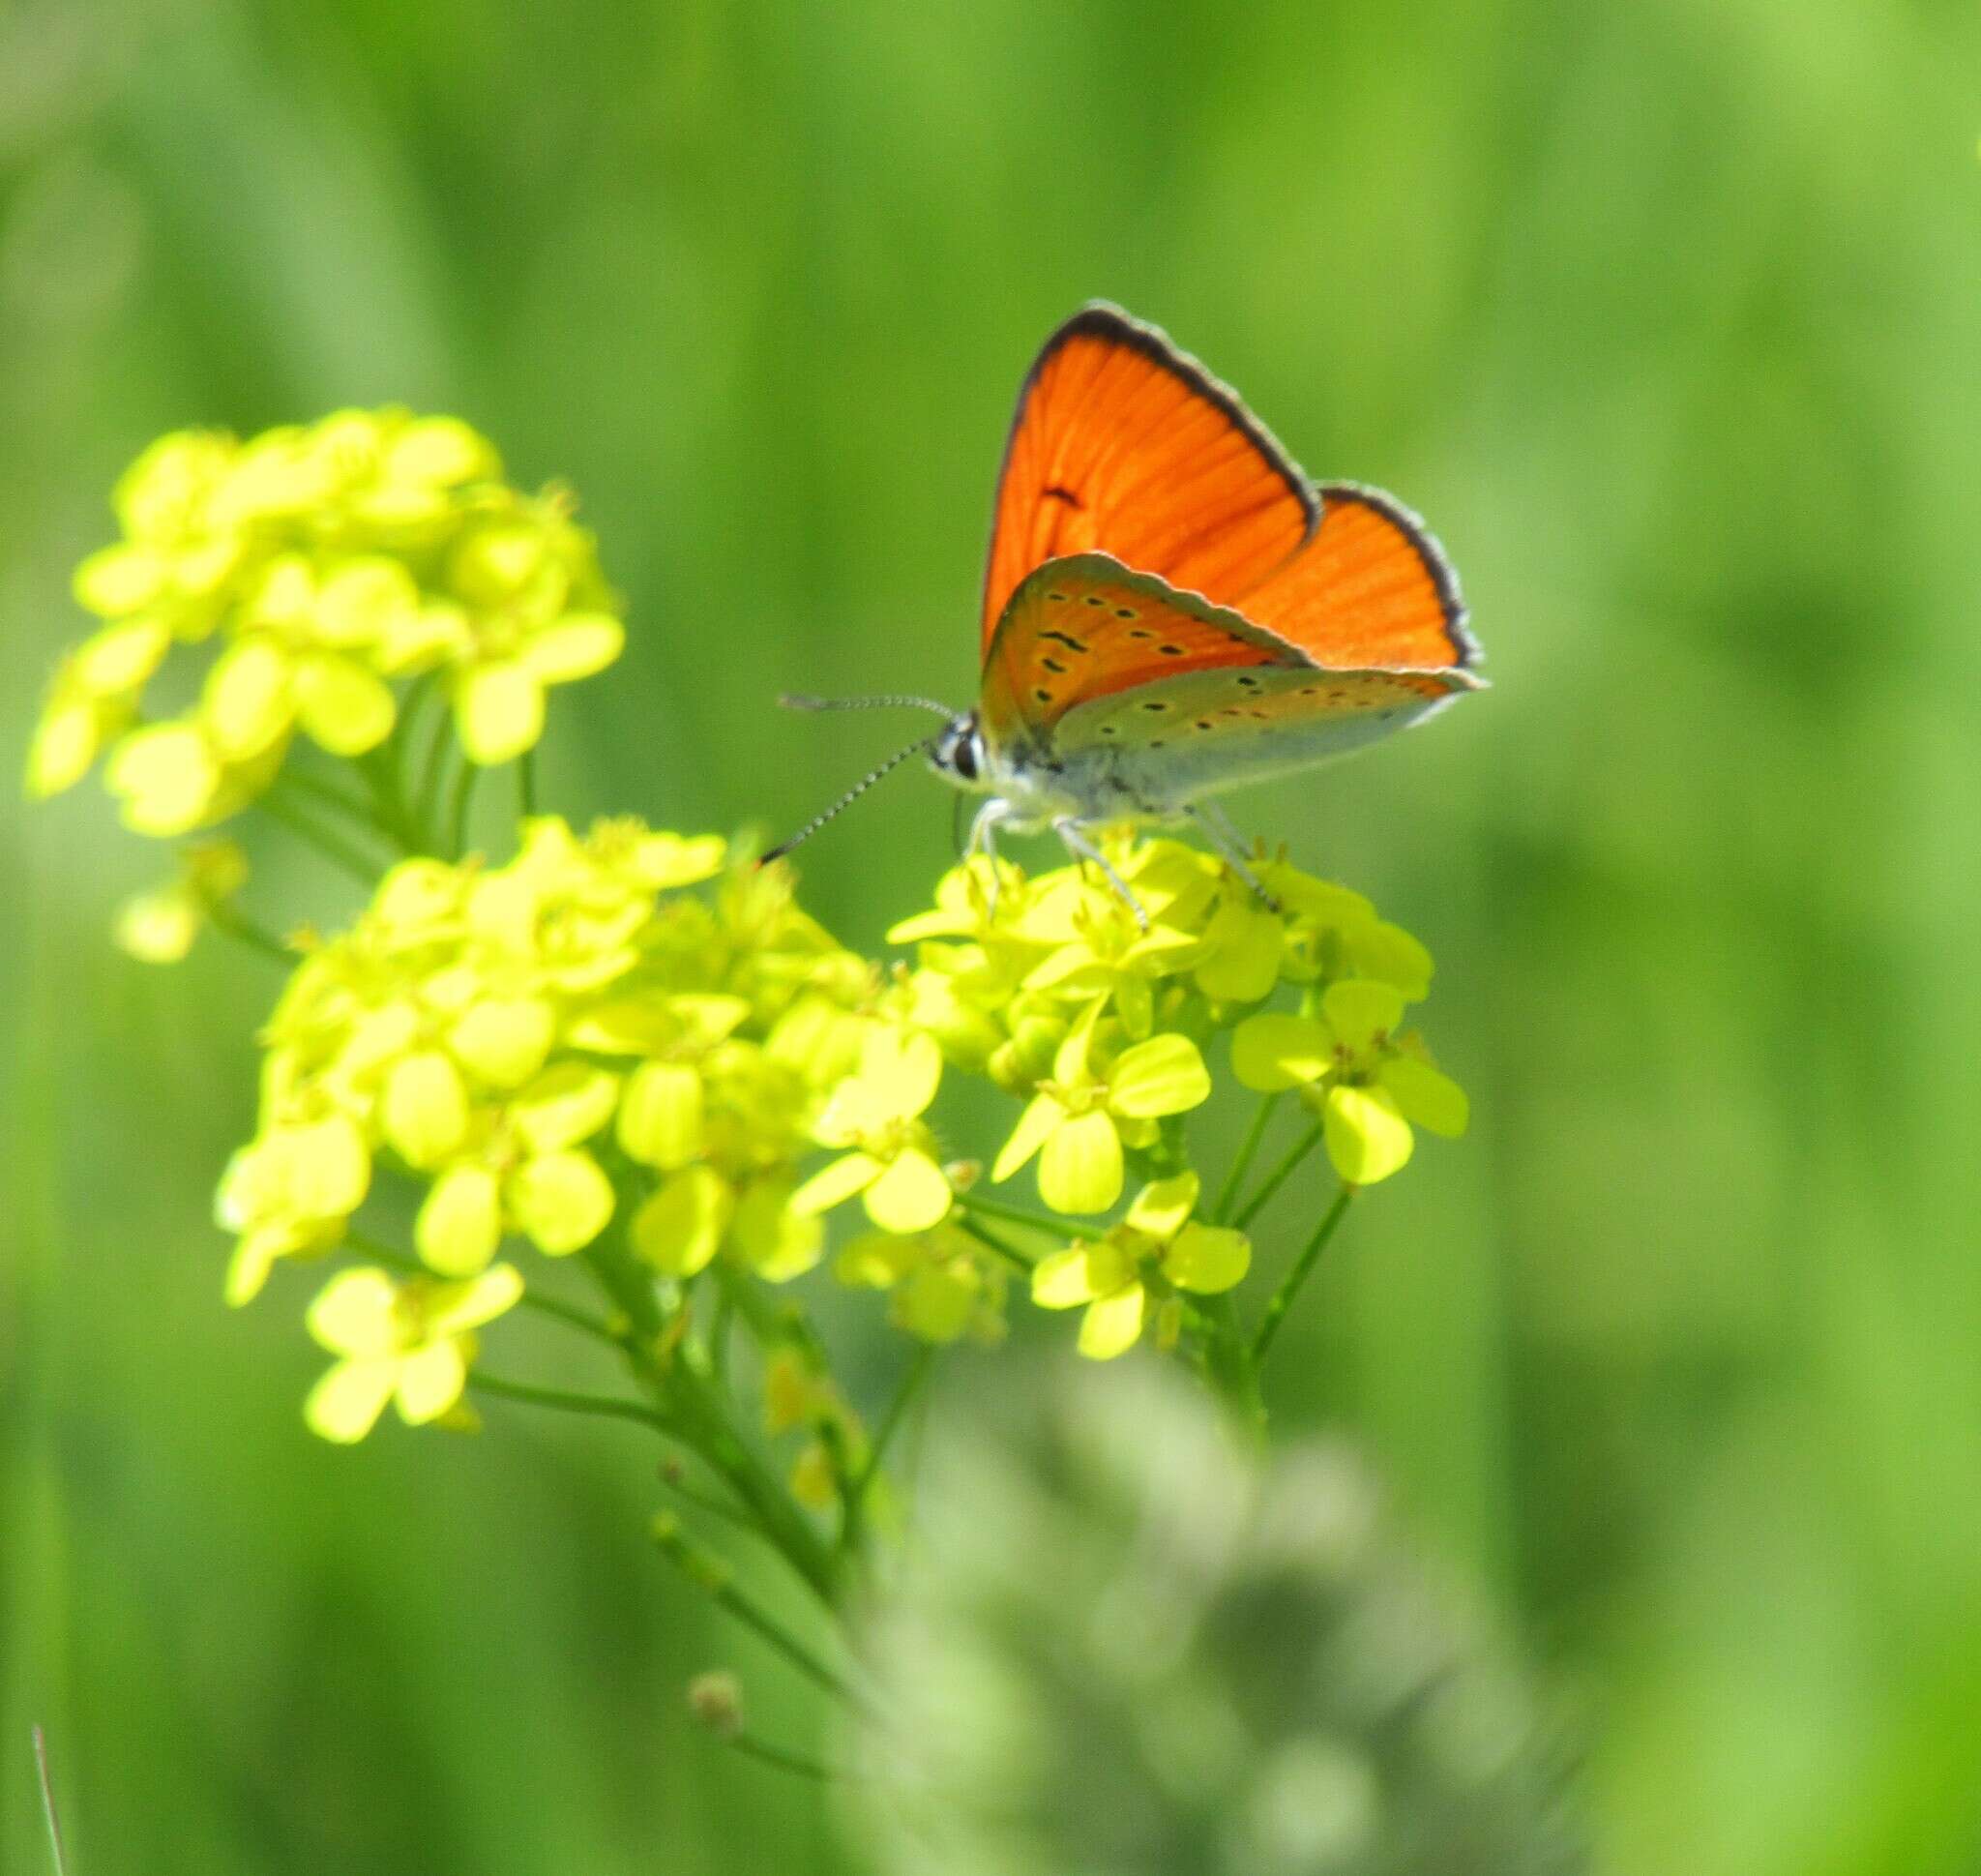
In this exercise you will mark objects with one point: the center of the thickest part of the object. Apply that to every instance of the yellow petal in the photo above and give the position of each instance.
(364, 600)
(1207, 1259)
(67, 737)
(1164, 1208)
(430, 1381)
(503, 1041)
(245, 703)
(1164, 1074)
(355, 1314)
(1362, 1012)
(776, 1240)
(1391, 956)
(578, 645)
(424, 1109)
(1367, 1135)
(452, 1307)
(167, 775)
(327, 1169)
(1064, 1279)
(346, 708)
(904, 1066)
(157, 927)
(1275, 1051)
(498, 711)
(346, 1404)
(1080, 1169)
(1035, 1126)
(1243, 943)
(1426, 1096)
(118, 580)
(441, 451)
(120, 658)
(939, 1301)
(910, 1195)
(561, 1200)
(564, 1105)
(660, 1117)
(681, 1227)
(1112, 1324)
(833, 1184)
(460, 1221)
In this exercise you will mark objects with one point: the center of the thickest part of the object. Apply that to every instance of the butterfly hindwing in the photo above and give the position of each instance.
(1122, 443)
(1084, 627)
(1180, 738)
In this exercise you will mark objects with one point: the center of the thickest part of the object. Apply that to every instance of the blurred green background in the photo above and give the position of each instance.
(1667, 316)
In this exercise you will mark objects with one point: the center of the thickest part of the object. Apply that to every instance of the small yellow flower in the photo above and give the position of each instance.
(1157, 1250)
(1348, 1062)
(289, 1193)
(161, 926)
(1078, 1120)
(410, 1343)
(876, 1114)
(941, 1286)
(536, 614)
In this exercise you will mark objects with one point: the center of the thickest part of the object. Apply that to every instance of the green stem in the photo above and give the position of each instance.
(596, 1405)
(463, 800)
(1015, 1258)
(1279, 1175)
(857, 1487)
(49, 1814)
(432, 772)
(527, 785)
(1017, 1215)
(1248, 1151)
(785, 1759)
(331, 797)
(1231, 1365)
(332, 846)
(1296, 1277)
(705, 1424)
(709, 1573)
(242, 929)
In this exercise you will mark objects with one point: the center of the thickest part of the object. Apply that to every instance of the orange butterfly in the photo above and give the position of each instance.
(1172, 608)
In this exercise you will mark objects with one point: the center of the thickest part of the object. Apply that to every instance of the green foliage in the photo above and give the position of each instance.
(1659, 313)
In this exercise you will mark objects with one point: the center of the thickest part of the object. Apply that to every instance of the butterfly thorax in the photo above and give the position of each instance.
(1037, 784)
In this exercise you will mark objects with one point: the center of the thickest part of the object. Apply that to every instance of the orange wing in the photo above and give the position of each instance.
(1083, 627)
(1123, 443)
(1369, 589)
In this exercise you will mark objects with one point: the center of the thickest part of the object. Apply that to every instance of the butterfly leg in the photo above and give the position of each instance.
(1228, 840)
(984, 840)
(1081, 847)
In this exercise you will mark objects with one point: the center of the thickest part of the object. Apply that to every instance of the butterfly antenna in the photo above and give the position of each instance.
(792, 700)
(851, 795)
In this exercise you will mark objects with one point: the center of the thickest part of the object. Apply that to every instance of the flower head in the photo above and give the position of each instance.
(537, 1044)
(941, 1285)
(1349, 1059)
(324, 562)
(1158, 1250)
(405, 1342)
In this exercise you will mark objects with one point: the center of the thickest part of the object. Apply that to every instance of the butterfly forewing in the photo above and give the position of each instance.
(1371, 589)
(1122, 443)
(1085, 627)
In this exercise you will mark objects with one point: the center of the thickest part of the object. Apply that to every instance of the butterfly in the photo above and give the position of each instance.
(1172, 608)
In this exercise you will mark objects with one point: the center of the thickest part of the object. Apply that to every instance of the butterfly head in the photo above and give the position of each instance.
(958, 754)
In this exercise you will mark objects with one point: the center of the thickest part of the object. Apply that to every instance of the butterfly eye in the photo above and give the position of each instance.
(965, 757)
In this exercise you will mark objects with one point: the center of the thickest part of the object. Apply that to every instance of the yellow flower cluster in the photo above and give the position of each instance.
(1099, 1021)
(324, 561)
(542, 1046)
